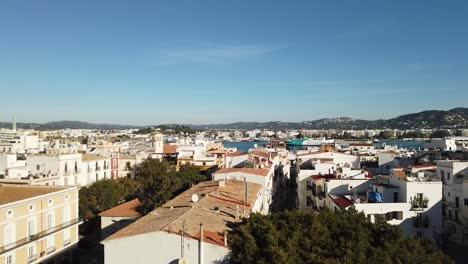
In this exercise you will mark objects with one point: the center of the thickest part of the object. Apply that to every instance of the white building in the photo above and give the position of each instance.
(191, 228)
(94, 168)
(11, 167)
(454, 175)
(55, 169)
(407, 200)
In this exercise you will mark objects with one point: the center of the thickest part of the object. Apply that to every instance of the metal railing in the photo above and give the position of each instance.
(32, 258)
(38, 236)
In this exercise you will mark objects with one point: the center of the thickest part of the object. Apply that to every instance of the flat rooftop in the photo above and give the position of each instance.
(15, 193)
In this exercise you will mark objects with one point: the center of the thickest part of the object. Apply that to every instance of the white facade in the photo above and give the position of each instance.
(65, 169)
(163, 246)
(454, 175)
(415, 205)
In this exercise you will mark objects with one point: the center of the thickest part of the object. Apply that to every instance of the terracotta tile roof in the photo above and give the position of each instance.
(170, 149)
(14, 193)
(323, 176)
(263, 154)
(399, 173)
(237, 153)
(341, 202)
(128, 209)
(261, 172)
(216, 209)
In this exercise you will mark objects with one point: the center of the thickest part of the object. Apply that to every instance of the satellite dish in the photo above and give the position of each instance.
(195, 198)
(255, 145)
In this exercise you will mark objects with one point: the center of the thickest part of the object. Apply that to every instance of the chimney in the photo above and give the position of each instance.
(200, 251)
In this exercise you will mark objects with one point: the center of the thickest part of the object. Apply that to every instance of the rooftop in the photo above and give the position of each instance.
(128, 209)
(15, 193)
(261, 172)
(92, 157)
(219, 203)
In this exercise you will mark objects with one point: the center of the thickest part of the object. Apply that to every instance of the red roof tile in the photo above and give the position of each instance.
(261, 172)
(128, 209)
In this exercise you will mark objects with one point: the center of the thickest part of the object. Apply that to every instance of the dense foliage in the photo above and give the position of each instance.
(328, 237)
(105, 194)
(155, 183)
(161, 182)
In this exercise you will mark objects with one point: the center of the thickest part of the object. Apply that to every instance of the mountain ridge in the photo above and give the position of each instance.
(456, 118)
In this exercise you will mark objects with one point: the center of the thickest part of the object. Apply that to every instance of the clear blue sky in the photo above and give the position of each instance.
(151, 62)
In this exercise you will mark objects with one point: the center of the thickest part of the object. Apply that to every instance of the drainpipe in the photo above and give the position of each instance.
(201, 251)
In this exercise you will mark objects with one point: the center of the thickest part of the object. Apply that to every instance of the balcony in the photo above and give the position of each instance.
(66, 242)
(418, 204)
(51, 249)
(38, 236)
(421, 221)
(32, 258)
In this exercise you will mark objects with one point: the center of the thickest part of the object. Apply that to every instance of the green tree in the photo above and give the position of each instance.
(328, 237)
(161, 181)
(100, 196)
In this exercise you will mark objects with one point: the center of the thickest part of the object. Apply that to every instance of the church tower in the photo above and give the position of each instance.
(157, 139)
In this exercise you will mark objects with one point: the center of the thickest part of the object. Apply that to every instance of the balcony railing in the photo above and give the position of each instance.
(32, 258)
(66, 242)
(418, 204)
(38, 236)
(50, 249)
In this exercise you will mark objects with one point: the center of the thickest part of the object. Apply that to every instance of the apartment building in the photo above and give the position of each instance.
(454, 175)
(95, 168)
(37, 223)
(409, 198)
(62, 169)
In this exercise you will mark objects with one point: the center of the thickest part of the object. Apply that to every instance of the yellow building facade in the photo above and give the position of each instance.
(37, 223)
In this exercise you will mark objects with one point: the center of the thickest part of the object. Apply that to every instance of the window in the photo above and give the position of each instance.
(38, 167)
(67, 198)
(448, 175)
(457, 202)
(31, 227)
(309, 201)
(10, 259)
(442, 174)
(32, 253)
(50, 202)
(66, 167)
(66, 214)
(32, 207)
(309, 185)
(51, 238)
(66, 237)
(10, 235)
(50, 220)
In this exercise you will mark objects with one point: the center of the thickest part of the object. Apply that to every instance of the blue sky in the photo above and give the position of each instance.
(151, 62)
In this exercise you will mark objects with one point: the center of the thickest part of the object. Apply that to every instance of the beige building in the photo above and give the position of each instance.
(37, 223)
